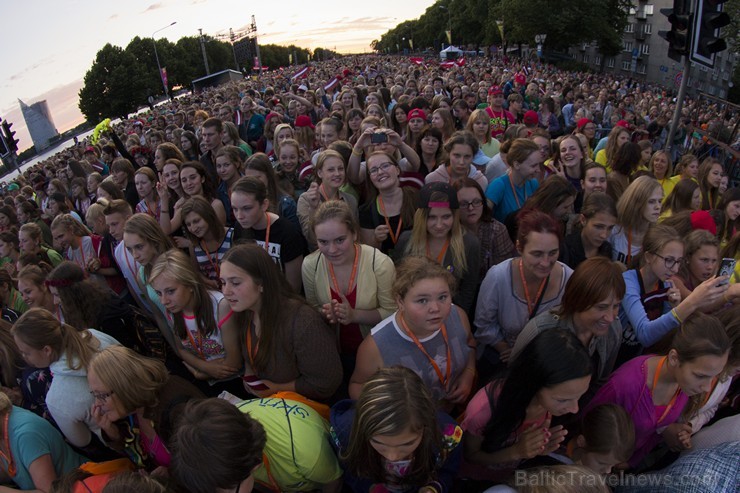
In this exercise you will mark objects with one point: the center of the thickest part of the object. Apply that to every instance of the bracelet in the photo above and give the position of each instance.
(164, 212)
(355, 152)
(675, 314)
(467, 368)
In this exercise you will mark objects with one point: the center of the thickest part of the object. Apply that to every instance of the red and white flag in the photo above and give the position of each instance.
(417, 60)
(332, 84)
(302, 73)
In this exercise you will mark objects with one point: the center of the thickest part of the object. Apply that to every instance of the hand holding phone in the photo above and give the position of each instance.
(726, 268)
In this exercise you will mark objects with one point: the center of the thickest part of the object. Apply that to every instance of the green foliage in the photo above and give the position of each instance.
(275, 56)
(474, 22)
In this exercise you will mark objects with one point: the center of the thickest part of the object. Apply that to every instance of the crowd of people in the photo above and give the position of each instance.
(379, 277)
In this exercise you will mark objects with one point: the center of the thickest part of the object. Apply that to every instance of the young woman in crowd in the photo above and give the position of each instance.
(80, 195)
(146, 186)
(687, 169)
(654, 389)
(597, 220)
(9, 251)
(290, 163)
(34, 453)
(427, 328)
(286, 344)
(653, 305)
(122, 174)
(29, 213)
(618, 136)
(81, 246)
(460, 149)
(229, 168)
(342, 261)
(589, 309)
(570, 160)
(430, 150)
(209, 240)
(206, 337)
(537, 283)
(686, 196)
(442, 120)
(438, 234)
(661, 167)
(392, 146)
(479, 124)
(399, 122)
(509, 192)
(136, 400)
(196, 182)
(58, 204)
(390, 208)
(278, 236)
(701, 258)
(33, 289)
(509, 420)
(166, 151)
(284, 205)
(67, 351)
(709, 177)
(727, 215)
(189, 146)
(555, 196)
(331, 177)
(230, 137)
(623, 163)
(392, 436)
(637, 209)
(87, 305)
(145, 241)
(108, 190)
(475, 216)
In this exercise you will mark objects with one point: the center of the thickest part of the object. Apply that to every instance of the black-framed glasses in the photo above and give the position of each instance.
(101, 396)
(473, 204)
(670, 262)
(383, 167)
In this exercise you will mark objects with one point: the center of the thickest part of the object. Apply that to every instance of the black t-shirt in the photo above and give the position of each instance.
(370, 218)
(285, 243)
(572, 252)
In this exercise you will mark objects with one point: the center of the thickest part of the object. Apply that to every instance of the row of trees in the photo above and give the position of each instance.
(484, 22)
(121, 80)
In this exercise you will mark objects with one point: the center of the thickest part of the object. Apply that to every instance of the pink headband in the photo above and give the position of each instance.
(439, 205)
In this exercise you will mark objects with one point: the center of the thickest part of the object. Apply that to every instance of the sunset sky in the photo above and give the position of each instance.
(49, 45)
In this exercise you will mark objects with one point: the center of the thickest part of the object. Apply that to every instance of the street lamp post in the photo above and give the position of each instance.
(159, 67)
(449, 22)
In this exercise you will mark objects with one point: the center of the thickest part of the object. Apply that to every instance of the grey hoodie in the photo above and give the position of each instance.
(69, 399)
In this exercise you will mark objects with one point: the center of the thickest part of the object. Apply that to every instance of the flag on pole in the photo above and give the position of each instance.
(302, 73)
(164, 75)
(449, 37)
(417, 60)
(333, 83)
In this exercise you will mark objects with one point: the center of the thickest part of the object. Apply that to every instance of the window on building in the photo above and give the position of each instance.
(722, 94)
(629, 28)
(649, 9)
(641, 68)
(645, 48)
(597, 60)
(647, 28)
(628, 46)
(626, 65)
(585, 58)
(610, 62)
(633, 10)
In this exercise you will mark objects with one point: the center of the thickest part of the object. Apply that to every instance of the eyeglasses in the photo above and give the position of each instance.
(383, 167)
(473, 204)
(101, 396)
(670, 262)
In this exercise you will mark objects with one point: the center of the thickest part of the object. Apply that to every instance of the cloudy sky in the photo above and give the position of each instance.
(50, 44)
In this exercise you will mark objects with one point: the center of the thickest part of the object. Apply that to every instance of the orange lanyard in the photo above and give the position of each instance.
(267, 233)
(394, 237)
(443, 379)
(442, 253)
(323, 193)
(273, 484)
(351, 277)
(199, 345)
(9, 457)
(672, 402)
(711, 389)
(154, 212)
(513, 191)
(250, 355)
(210, 259)
(530, 304)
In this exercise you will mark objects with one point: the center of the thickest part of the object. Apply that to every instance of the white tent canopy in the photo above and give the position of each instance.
(450, 53)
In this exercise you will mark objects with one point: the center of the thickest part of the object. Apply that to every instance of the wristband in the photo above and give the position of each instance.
(675, 314)
(467, 368)
(355, 152)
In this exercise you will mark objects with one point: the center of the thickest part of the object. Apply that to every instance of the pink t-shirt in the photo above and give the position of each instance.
(477, 416)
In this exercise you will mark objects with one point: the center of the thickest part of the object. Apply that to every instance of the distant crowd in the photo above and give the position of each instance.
(379, 275)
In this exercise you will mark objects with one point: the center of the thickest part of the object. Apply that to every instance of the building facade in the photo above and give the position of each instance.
(40, 123)
(645, 54)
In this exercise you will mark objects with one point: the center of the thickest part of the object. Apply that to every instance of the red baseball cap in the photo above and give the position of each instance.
(417, 113)
(304, 121)
(531, 118)
(495, 90)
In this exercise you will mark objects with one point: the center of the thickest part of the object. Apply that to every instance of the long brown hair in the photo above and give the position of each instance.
(279, 302)
(81, 298)
(38, 328)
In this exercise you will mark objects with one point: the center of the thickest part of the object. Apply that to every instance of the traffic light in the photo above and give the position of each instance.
(10, 139)
(709, 19)
(679, 37)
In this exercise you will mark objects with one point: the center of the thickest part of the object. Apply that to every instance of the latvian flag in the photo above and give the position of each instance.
(302, 73)
(417, 60)
(332, 84)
